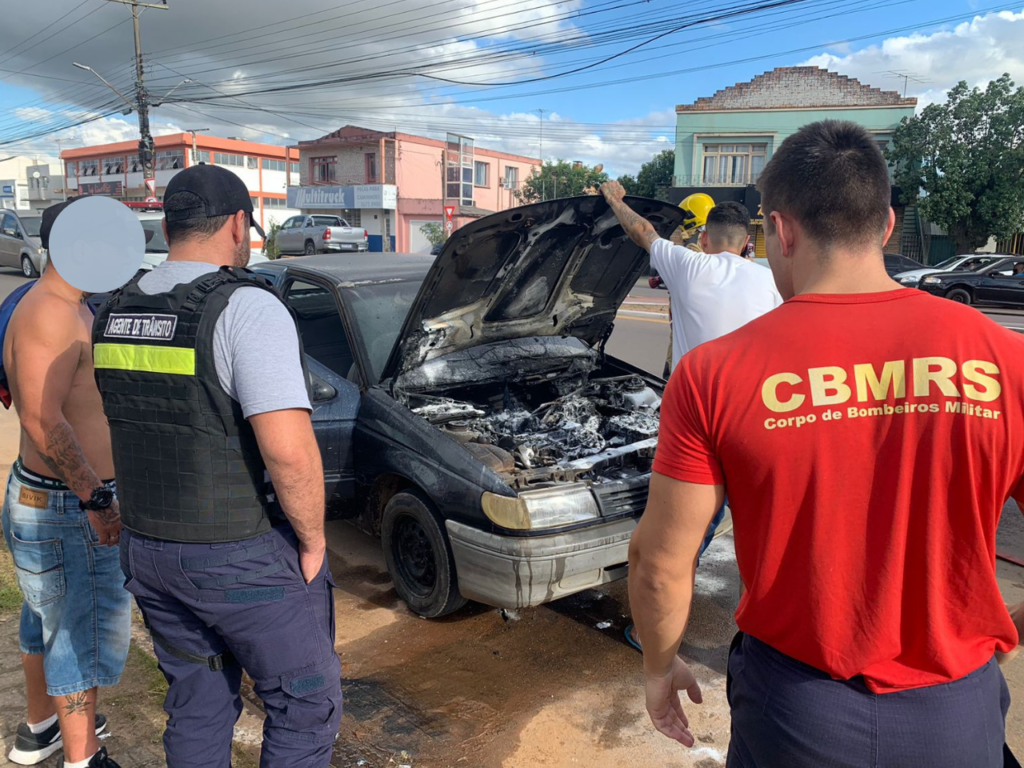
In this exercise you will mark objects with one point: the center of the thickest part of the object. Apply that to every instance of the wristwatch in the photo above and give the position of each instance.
(101, 498)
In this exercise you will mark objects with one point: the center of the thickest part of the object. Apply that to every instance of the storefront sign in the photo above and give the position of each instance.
(111, 188)
(362, 197)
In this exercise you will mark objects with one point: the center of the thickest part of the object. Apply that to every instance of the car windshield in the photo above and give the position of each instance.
(948, 262)
(159, 243)
(377, 313)
(31, 225)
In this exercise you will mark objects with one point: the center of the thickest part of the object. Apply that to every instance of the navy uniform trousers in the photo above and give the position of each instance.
(786, 714)
(216, 609)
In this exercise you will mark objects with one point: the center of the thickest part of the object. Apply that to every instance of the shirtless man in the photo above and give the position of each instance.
(61, 523)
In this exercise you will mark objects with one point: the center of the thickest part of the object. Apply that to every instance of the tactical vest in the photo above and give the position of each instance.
(187, 463)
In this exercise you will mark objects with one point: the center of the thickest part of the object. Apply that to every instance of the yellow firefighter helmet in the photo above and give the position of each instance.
(696, 207)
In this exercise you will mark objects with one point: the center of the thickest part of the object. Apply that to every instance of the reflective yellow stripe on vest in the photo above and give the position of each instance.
(139, 357)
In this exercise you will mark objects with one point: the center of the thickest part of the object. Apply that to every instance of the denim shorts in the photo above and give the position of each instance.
(76, 611)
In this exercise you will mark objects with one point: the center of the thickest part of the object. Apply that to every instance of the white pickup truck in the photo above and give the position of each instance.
(319, 233)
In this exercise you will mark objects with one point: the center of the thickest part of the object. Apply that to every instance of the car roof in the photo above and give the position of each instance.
(359, 268)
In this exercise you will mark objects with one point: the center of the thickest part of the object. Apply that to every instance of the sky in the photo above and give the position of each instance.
(590, 80)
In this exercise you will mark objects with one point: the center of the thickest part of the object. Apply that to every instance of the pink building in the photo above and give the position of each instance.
(392, 184)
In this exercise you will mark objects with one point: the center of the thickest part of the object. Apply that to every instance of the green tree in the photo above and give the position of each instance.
(655, 176)
(962, 162)
(561, 179)
(270, 249)
(629, 184)
(433, 232)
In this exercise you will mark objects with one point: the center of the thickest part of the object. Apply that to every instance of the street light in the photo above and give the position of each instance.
(124, 98)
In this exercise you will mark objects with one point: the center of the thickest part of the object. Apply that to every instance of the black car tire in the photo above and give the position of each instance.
(28, 269)
(419, 557)
(310, 248)
(959, 295)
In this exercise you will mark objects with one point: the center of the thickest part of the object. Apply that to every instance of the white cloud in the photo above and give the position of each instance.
(977, 51)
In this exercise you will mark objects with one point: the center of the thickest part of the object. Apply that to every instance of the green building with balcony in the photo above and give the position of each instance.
(723, 141)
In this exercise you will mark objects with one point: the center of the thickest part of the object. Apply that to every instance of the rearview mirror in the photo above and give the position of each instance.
(322, 391)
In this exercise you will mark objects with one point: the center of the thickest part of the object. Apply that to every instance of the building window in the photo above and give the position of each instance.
(89, 168)
(481, 174)
(511, 177)
(252, 163)
(255, 204)
(113, 165)
(170, 160)
(134, 164)
(274, 165)
(72, 170)
(203, 156)
(295, 167)
(733, 163)
(324, 169)
(371, 168)
(275, 202)
(223, 158)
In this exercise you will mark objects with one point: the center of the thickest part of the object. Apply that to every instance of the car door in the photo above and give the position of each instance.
(286, 236)
(10, 241)
(1001, 285)
(331, 364)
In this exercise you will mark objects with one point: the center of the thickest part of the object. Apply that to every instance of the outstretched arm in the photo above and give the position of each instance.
(637, 227)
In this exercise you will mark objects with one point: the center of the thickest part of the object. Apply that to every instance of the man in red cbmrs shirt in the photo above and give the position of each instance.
(868, 436)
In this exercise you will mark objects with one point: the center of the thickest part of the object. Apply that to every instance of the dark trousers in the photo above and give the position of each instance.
(245, 605)
(786, 714)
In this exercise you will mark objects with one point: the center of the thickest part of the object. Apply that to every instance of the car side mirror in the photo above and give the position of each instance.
(322, 391)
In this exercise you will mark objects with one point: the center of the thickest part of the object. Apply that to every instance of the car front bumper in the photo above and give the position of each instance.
(522, 571)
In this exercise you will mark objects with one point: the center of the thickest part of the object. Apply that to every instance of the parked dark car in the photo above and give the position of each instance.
(466, 410)
(895, 264)
(998, 284)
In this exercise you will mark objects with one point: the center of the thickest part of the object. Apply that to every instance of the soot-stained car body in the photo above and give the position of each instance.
(467, 412)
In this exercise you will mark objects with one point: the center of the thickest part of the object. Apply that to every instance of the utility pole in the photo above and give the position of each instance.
(141, 104)
(195, 154)
(543, 182)
(63, 166)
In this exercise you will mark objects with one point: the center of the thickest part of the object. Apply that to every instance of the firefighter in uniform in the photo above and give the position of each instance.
(200, 369)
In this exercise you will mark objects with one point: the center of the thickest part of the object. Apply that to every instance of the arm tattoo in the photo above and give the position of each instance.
(76, 703)
(637, 227)
(63, 455)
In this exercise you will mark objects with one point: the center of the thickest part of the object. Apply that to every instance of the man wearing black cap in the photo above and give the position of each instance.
(200, 369)
(61, 524)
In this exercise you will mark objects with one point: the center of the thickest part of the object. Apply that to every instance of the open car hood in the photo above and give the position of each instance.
(559, 268)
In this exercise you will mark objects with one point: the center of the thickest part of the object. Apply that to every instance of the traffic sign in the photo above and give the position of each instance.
(448, 225)
(449, 211)
(151, 186)
(151, 199)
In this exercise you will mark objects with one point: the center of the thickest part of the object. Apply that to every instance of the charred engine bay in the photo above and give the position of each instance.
(542, 432)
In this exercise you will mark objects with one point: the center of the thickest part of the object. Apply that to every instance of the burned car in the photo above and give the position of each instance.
(467, 412)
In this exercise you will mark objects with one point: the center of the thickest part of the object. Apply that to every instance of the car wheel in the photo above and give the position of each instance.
(28, 269)
(419, 557)
(310, 248)
(959, 295)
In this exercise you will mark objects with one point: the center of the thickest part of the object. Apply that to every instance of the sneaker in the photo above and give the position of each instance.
(100, 760)
(32, 748)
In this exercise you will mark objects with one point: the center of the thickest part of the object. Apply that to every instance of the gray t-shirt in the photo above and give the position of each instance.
(255, 344)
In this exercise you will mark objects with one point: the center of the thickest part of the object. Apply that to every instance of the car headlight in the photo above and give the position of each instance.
(909, 279)
(932, 280)
(41, 251)
(549, 508)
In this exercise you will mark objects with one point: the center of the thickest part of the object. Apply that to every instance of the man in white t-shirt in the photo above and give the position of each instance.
(712, 293)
